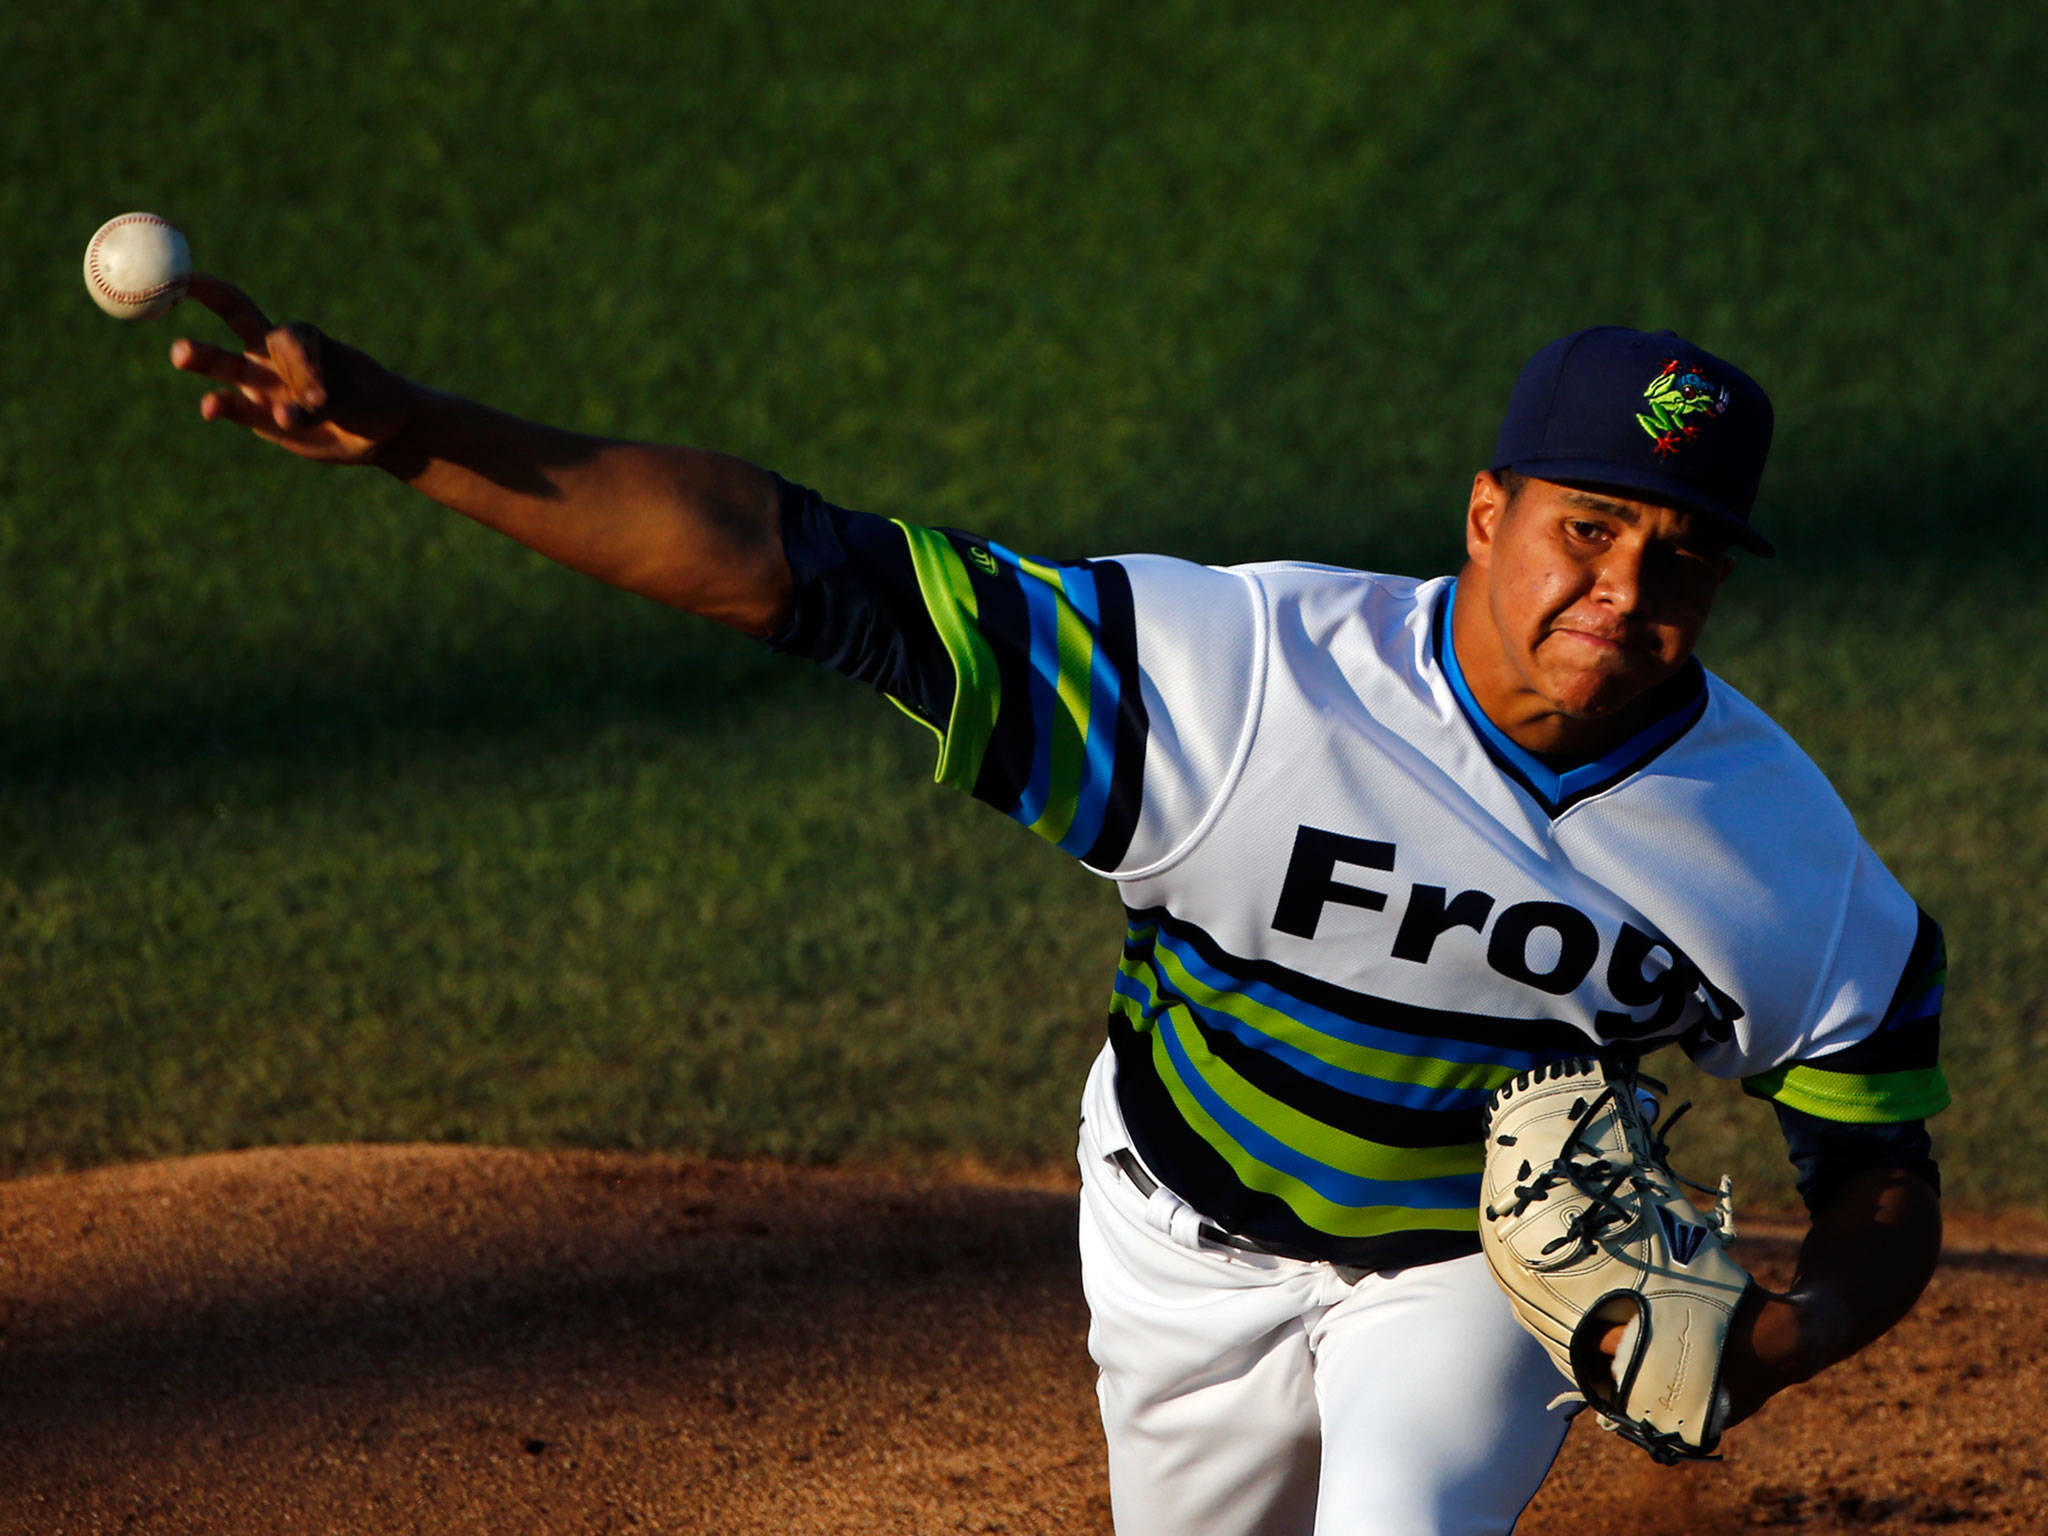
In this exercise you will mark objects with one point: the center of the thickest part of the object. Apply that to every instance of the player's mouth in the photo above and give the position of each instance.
(1618, 643)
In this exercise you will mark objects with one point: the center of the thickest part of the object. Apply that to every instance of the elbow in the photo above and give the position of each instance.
(716, 550)
(749, 590)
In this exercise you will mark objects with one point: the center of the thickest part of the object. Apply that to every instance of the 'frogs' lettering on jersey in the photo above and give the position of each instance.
(1641, 969)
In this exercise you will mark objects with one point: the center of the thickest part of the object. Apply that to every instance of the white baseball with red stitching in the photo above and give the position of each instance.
(136, 266)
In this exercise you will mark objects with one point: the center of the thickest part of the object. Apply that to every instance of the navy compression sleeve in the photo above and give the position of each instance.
(1828, 1153)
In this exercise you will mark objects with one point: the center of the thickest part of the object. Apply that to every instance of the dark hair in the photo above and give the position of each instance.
(1511, 482)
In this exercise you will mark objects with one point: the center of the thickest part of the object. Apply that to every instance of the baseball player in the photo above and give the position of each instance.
(1383, 844)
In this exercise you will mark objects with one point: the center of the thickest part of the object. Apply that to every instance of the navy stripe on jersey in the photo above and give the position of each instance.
(1676, 704)
(1126, 784)
(1456, 1123)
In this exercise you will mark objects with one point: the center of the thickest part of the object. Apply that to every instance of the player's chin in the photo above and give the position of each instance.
(1604, 692)
(1586, 677)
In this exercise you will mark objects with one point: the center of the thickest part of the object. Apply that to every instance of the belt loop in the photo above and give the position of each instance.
(1160, 1208)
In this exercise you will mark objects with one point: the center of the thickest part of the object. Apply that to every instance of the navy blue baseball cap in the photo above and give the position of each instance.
(1644, 414)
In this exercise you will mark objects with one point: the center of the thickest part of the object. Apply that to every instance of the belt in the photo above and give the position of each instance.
(1208, 1231)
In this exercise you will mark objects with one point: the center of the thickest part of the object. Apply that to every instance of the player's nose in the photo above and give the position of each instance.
(1618, 580)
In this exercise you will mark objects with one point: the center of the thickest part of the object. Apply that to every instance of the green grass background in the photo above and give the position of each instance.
(324, 814)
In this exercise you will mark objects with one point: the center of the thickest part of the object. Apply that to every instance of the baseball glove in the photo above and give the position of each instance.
(1585, 1228)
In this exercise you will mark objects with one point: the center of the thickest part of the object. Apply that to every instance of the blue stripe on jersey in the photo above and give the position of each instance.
(1925, 1006)
(1338, 1027)
(1449, 1193)
(1362, 1085)
(1151, 1003)
(1098, 751)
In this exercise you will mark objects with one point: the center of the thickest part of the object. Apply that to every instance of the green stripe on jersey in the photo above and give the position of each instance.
(1347, 1056)
(1315, 1210)
(1883, 1098)
(948, 593)
(1304, 1133)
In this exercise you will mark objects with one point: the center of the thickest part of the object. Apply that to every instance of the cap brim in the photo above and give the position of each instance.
(1591, 475)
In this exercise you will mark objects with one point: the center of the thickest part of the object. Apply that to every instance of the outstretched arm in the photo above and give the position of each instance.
(695, 530)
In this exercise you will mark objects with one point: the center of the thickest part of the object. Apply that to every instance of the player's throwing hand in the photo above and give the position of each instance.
(293, 385)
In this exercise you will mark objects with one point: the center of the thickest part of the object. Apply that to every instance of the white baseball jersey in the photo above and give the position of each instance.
(1356, 907)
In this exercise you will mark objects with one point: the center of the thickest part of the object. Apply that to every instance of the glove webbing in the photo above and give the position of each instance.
(1603, 1211)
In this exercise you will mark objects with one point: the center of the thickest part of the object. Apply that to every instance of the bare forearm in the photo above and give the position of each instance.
(692, 529)
(695, 530)
(1865, 1261)
(1868, 1256)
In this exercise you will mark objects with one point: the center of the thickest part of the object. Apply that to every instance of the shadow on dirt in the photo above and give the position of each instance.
(375, 1275)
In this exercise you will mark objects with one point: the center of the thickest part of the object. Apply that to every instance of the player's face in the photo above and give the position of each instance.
(1591, 601)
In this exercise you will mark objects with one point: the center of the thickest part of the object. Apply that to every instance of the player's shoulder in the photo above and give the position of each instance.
(1172, 592)
(1179, 604)
(1335, 621)
(1319, 597)
(1736, 812)
(1222, 624)
(1745, 807)
(1311, 576)
(1754, 761)
(1807, 925)
(1279, 578)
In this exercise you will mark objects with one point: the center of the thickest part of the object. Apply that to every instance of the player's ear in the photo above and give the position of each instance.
(1482, 514)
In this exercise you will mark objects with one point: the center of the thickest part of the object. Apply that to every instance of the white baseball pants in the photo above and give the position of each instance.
(1250, 1395)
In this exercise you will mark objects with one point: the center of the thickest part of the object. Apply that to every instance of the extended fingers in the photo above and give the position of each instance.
(218, 363)
(277, 420)
(286, 392)
(231, 405)
(233, 306)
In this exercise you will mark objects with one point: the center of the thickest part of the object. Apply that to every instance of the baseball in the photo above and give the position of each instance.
(136, 266)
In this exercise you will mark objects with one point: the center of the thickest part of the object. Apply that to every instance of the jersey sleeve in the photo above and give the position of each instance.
(1098, 702)
(1892, 1073)
(1872, 1056)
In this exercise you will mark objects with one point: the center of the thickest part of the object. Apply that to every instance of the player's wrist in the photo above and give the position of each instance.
(403, 451)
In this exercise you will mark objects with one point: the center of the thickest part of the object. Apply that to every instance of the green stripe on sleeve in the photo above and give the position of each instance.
(920, 719)
(1069, 725)
(1883, 1098)
(948, 594)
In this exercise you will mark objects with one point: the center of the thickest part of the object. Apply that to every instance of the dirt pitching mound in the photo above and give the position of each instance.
(432, 1339)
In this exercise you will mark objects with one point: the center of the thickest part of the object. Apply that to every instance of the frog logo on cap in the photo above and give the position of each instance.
(1674, 394)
